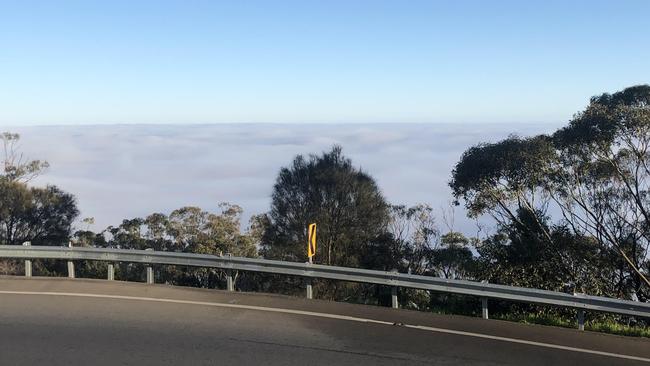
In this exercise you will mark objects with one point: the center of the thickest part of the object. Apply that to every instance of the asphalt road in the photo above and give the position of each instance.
(94, 322)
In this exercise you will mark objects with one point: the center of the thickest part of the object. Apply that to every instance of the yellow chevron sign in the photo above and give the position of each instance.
(311, 241)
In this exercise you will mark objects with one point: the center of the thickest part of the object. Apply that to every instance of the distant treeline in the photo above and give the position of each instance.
(572, 214)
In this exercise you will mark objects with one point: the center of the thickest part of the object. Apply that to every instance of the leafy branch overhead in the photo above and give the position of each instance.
(590, 176)
(15, 166)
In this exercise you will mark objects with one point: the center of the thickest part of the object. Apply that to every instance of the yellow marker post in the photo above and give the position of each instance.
(311, 242)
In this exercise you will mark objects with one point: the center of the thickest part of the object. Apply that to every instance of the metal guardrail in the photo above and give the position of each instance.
(309, 271)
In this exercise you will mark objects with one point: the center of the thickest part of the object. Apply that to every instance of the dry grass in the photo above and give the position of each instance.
(11, 267)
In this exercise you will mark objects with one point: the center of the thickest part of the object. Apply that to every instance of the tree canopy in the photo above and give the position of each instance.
(344, 201)
(592, 176)
(43, 216)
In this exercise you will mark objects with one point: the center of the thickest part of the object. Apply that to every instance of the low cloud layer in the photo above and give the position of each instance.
(125, 171)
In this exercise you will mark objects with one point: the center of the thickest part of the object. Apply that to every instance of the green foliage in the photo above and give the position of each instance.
(43, 216)
(594, 174)
(347, 206)
(187, 229)
(15, 167)
(609, 326)
(412, 237)
(602, 179)
(614, 327)
(454, 262)
(345, 202)
(490, 177)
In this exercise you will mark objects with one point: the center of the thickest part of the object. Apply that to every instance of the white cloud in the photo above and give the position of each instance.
(123, 171)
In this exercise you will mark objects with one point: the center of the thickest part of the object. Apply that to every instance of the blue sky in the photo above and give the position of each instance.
(92, 62)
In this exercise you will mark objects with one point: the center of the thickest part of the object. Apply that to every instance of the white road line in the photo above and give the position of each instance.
(332, 316)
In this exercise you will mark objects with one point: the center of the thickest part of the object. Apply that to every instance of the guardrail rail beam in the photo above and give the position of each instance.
(484, 291)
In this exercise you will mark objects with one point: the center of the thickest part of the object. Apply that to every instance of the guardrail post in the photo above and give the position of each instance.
(484, 308)
(150, 275)
(230, 284)
(150, 279)
(230, 281)
(581, 319)
(70, 264)
(484, 305)
(581, 316)
(393, 297)
(309, 289)
(111, 272)
(28, 263)
(393, 293)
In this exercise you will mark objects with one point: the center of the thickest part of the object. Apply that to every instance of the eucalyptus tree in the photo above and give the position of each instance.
(502, 178)
(327, 189)
(453, 258)
(16, 167)
(415, 236)
(43, 216)
(507, 180)
(602, 178)
(194, 230)
(187, 229)
(593, 173)
(351, 216)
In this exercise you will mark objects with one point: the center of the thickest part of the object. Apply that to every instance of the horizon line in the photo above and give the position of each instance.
(153, 124)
